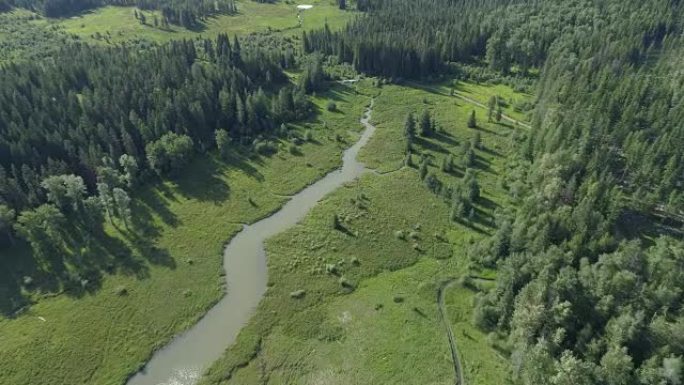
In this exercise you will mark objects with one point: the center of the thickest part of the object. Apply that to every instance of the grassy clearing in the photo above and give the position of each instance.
(369, 312)
(483, 92)
(171, 270)
(118, 24)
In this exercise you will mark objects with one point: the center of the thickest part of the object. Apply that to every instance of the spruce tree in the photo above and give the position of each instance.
(472, 121)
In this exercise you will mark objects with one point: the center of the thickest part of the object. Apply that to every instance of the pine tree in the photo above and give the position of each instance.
(425, 124)
(472, 121)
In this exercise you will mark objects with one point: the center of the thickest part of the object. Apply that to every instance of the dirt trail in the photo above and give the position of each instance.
(455, 355)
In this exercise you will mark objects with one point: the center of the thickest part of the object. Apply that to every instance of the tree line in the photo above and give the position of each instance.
(590, 259)
(89, 121)
(187, 13)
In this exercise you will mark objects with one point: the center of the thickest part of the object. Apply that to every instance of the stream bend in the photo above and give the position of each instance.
(185, 358)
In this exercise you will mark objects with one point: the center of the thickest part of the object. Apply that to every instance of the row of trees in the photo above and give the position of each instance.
(187, 13)
(413, 39)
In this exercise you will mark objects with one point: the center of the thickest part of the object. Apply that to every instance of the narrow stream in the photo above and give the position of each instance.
(184, 359)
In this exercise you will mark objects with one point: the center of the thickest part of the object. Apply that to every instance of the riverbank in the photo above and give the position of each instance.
(187, 356)
(369, 286)
(172, 280)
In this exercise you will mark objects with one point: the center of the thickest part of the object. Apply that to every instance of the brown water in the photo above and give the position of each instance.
(184, 359)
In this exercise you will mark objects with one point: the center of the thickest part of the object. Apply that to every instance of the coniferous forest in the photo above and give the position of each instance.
(589, 259)
(185, 13)
(580, 297)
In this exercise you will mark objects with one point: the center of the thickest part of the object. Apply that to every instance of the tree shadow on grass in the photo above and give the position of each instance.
(445, 137)
(484, 164)
(12, 270)
(148, 203)
(202, 181)
(244, 163)
(491, 152)
(430, 145)
(487, 130)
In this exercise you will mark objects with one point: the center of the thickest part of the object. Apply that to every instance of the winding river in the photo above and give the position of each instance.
(184, 359)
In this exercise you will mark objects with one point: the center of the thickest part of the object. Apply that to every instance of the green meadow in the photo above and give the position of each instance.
(161, 276)
(368, 312)
(118, 24)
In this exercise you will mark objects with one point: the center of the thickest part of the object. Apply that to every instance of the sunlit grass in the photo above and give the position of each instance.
(174, 273)
(116, 24)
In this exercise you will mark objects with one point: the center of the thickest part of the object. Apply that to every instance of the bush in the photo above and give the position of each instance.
(294, 150)
(332, 269)
(332, 107)
(265, 148)
(121, 291)
(346, 284)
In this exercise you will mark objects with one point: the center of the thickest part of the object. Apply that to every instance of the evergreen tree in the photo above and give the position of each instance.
(7, 217)
(425, 124)
(410, 128)
(472, 121)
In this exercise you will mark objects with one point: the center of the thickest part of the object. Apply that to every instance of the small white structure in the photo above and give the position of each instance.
(303, 7)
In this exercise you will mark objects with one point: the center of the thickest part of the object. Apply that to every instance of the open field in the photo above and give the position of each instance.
(170, 264)
(118, 24)
(369, 313)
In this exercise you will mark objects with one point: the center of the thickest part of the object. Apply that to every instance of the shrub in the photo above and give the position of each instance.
(332, 269)
(121, 291)
(265, 148)
(345, 283)
(332, 107)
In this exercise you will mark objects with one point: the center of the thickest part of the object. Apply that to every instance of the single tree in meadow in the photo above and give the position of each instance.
(426, 124)
(472, 121)
(410, 128)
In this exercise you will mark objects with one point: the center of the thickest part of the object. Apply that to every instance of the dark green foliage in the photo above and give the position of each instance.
(170, 153)
(7, 217)
(90, 110)
(43, 229)
(178, 12)
(426, 124)
(223, 142)
(423, 168)
(410, 128)
(313, 78)
(472, 121)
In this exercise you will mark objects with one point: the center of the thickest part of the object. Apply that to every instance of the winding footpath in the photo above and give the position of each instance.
(187, 356)
(455, 355)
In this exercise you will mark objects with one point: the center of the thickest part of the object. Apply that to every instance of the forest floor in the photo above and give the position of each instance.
(169, 265)
(370, 306)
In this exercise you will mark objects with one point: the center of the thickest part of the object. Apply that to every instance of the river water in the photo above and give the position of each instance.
(184, 359)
